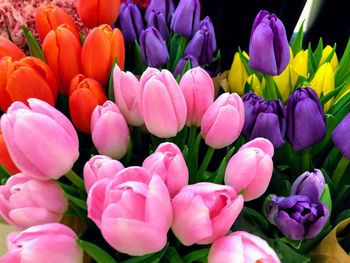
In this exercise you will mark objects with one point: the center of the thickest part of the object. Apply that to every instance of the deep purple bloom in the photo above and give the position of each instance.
(296, 216)
(153, 48)
(310, 184)
(185, 20)
(203, 44)
(341, 136)
(164, 6)
(265, 119)
(182, 63)
(130, 21)
(268, 46)
(157, 19)
(306, 121)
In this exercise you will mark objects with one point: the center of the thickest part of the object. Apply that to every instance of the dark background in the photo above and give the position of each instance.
(233, 21)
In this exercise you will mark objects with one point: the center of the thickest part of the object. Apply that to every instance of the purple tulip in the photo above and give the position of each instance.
(265, 119)
(164, 6)
(341, 138)
(185, 20)
(153, 48)
(306, 121)
(296, 216)
(310, 184)
(268, 46)
(130, 21)
(182, 63)
(158, 20)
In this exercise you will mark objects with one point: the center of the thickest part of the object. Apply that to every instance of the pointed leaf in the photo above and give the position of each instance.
(96, 252)
(34, 47)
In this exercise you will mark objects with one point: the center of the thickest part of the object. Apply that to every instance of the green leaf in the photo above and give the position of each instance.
(326, 198)
(344, 65)
(294, 243)
(245, 62)
(342, 216)
(324, 99)
(4, 174)
(340, 198)
(111, 95)
(297, 43)
(82, 38)
(196, 255)
(340, 104)
(140, 66)
(96, 252)
(287, 254)
(311, 64)
(77, 201)
(172, 255)
(330, 124)
(253, 215)
(150, 258)
(33, 45)
(318, 52)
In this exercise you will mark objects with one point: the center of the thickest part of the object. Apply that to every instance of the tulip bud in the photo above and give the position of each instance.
(334, 60)
(241, 247)
(182, 63)
(298, 67)
(296, 216)
(164, 6)
(97, 65)
(310, 184)
(341, 138)
(59, 47)
(35, 245)
(20, 207)
(265, 119)
(185, 20)
(198, 220)
(153, 48)
(198, 89)
(41, 140)
(249, 171)
(26, 78)
(97, 12)
(222, 123)
(306, 121)
(9, 49)
(85, 95)
(50, 17)
(5, 158)
(168, 162)
(131, 22)
(98, 168)
(268, 45)
(162, 103)
(110, 132)
(237, 75)
(158, 20)
(255, 84)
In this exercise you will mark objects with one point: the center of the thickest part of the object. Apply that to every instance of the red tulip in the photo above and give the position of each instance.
(8, 48)
(5, 158)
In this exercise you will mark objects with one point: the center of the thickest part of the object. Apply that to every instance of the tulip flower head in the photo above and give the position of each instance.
(341, 138)
(9, 49)
(185, 20)
(131, 22)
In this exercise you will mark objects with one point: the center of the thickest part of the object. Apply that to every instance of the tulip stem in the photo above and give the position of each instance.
(339, 172)
(75, 179)
(191, 137)
(205, 162)
(306, 160)
(271, 88)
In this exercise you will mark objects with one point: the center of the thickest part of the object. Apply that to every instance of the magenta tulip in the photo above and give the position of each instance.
(110, 132)
(48, 243)
(241, 247)
(204, 212)
(126, 91)
(168, 162)
(42, 142)
(133, 211)
(249, 171)
(198, 89)
(223, 121)
(99, 167)
(162, 103)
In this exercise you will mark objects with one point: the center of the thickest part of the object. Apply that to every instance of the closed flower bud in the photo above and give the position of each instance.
(193, 62)
(185, 20)
(306, 121)
(341, 138)
(268, 45)
(255, 84)
(222, 123)
(131, 22)
(334, 60)
(164, 6)
(237, 75)
(158, 20)
(310, 184)
(9, 49)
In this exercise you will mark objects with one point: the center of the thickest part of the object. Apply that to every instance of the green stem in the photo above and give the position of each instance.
(192, 161)
(306, 161)
(339, 171)
(75, 179)
(271, 89)
(195, 255)
(205, 162)
(191, 137)
(129, 153)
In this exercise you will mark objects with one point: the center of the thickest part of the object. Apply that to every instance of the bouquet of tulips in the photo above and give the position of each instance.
(171, 161)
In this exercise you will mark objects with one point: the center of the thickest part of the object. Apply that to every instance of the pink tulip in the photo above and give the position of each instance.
(126, 91)
(198, 89)
(168, 162)
(204, 212)
(48, 243)
(133, 211)
(241, 247)
(110, 132)
(223, 121)
(26, 202)
(249, 171)
(162, 103)
(42, 142)
(99, 167)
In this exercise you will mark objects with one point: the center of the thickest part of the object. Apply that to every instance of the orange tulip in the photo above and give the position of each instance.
(97, 12)
(8, 48)
(26, 78)
(5, 159)
(51, 17)
(101, 47)
(85, 95)
(62, 51)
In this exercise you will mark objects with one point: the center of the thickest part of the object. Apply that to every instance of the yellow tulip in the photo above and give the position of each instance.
(334, 61)
(238, 75)
(283, 83)
(298, 67)
(255, 84)
(344, 91)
